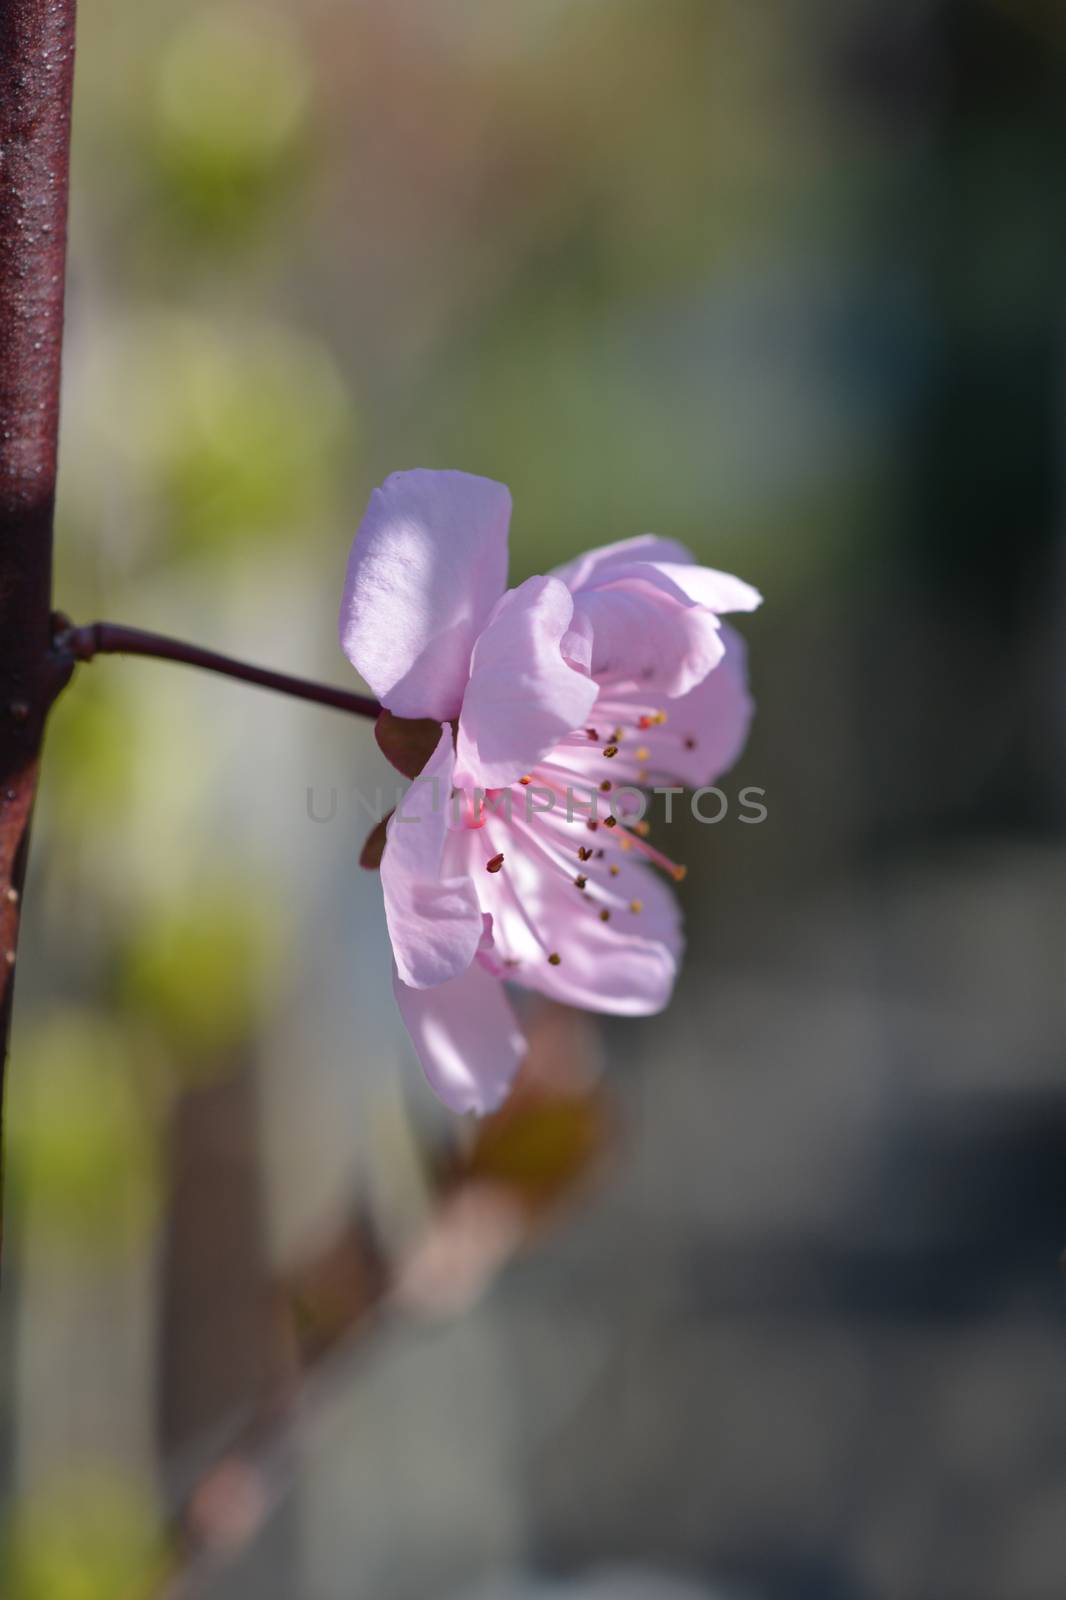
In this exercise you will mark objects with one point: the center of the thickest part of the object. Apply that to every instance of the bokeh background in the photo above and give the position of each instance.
(759, 1300)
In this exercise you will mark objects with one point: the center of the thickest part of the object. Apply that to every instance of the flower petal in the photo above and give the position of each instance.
(523, 696)
(625, 964)
(427, 566)
(708, 727)
(645, 630)
(466, 1038)
(434, 921)
(718, 591)
(597, 563)
(692, 739)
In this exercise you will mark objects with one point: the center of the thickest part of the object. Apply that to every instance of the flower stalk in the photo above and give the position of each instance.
(74, 644)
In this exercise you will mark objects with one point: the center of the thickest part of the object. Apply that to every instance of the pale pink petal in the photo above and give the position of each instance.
(523, 696)
(718, 591)
(625, 965)
(434, 921)
(427, 566)
(702, 735)
(596, 563)
(577, 644)
(644, 629)
(708, 728)
(466, 1038)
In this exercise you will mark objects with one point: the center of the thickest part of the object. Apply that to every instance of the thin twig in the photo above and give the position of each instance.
(111, 638)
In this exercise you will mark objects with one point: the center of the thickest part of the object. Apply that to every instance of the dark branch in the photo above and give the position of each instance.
(111, 638)
(36, 77)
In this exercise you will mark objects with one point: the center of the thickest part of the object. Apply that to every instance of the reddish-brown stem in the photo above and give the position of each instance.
(36, 79)
(111, 638)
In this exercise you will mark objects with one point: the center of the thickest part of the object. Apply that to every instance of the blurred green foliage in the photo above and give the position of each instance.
(228, 435)
(90, 757)
(83, 1148)
(200, 971)
(93, 1536)
(229, 116)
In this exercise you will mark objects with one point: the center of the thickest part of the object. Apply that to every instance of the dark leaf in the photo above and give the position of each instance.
(407, 742)
(373, 849)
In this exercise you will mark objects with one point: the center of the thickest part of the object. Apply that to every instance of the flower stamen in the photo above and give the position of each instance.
(634, 841)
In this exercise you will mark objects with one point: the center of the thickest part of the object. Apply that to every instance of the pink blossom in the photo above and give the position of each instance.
(614, 669)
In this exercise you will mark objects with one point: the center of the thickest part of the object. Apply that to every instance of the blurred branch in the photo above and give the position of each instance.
(111, 638)
(36, 80)
(487, 1197)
